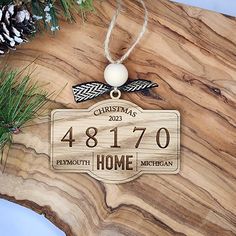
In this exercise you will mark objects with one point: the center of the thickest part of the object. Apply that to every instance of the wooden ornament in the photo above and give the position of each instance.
(115, 141)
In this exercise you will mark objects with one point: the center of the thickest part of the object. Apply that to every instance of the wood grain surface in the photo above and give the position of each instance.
(191, 54)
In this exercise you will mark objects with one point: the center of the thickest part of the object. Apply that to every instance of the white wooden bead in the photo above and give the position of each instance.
(116, 74)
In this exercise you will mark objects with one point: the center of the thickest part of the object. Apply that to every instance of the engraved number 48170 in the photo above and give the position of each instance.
(92, 141)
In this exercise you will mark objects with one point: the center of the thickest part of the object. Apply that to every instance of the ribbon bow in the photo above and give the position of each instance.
(90, 90)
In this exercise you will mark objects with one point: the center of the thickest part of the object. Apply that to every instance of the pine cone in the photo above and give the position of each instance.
(16, 24)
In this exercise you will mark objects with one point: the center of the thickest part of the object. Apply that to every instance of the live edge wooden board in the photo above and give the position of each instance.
(191, 54)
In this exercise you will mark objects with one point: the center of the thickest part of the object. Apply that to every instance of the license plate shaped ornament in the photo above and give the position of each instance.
(115, 141)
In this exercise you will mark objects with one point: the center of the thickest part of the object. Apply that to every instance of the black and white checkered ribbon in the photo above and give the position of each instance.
(90, 90)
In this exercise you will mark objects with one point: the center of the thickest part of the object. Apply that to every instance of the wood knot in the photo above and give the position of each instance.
(152, 94)
(215, 90)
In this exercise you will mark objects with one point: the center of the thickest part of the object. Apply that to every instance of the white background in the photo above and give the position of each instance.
(223, 6)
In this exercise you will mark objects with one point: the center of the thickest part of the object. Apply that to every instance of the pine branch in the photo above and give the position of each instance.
(20, 102)
(50, 11)
(47, 12)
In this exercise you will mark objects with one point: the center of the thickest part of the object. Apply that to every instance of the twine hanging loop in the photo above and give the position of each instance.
(111, 27)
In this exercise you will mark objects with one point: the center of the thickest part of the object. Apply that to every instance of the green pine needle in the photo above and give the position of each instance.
(87, 5)
(56, 10)
(20, 102)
